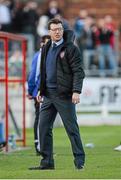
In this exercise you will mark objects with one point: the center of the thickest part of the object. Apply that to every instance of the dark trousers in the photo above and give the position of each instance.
(51, 105)
(36, 124)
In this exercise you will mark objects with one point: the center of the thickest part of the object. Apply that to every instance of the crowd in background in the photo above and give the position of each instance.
(96, 38)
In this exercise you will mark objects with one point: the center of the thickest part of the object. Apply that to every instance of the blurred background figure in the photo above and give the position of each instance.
(5, 16)
(42, 26)
(41, 29)
(64, 21)
(80, 22)
(89, 42)
(15, 64)
(17, 17)
(53, 9)
(110, 25)
(79, 29)
(105, 49)
(29, 18)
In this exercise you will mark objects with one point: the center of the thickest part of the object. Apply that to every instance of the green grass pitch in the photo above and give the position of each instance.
(101, 161)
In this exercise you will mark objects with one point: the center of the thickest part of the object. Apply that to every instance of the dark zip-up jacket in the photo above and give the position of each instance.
(70, 72)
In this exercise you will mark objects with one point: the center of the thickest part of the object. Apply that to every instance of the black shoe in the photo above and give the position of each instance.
(80, 167)
(79, 164)
(42, 168)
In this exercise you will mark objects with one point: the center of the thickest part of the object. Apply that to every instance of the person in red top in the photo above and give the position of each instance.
(110, 25)
(105, 49)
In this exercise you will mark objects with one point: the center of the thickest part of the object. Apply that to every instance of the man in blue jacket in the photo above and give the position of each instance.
(2, 140)
(33, 86)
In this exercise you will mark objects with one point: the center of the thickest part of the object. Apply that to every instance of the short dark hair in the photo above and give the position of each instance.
(54, 21)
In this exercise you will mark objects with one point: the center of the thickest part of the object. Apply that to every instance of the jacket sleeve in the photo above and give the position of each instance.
(76, 64)
(31, 78)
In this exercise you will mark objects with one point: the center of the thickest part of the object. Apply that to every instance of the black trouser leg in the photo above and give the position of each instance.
(67, 112)
(36, 124)
(47, 117)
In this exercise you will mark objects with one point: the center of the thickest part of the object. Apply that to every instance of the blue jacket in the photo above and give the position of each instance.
(33, 81)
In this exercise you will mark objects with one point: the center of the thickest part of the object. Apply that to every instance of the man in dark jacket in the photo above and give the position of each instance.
(61, 83)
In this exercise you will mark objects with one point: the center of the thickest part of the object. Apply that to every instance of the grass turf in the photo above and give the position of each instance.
(101, 161)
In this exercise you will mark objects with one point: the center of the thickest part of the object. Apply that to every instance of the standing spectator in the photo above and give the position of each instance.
(53, 9)
(64, 21)
(105, 49)
(42, 26)
(80, 22)
(110, 25)
(33, 86)
(29, 18)
(79, 29)
(17, 23)
(5, 17)
(89, 43)
(61, 83)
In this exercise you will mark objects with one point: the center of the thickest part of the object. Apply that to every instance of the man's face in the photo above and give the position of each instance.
(56, 32)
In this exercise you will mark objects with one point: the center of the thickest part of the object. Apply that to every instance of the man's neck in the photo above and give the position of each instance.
(58, 42)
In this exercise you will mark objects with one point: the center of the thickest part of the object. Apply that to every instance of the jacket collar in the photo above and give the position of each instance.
(58, 43)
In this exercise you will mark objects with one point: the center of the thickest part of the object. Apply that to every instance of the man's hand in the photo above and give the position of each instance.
(75, 98)
(39, 98)
(29, 96)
